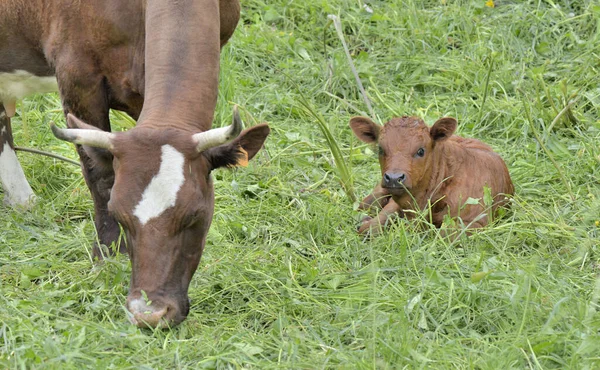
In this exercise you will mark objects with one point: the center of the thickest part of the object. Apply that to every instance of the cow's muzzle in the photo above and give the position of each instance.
(155, 314)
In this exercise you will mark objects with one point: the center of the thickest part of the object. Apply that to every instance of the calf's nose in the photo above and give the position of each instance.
(394, 179)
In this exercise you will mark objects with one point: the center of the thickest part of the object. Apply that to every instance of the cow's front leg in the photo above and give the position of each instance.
(85, 97)
(17, 192)
(100, 180)
(377, 200)
(375, 225)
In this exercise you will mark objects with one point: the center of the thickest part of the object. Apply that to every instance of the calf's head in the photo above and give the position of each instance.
(163, 198)
(406, 148)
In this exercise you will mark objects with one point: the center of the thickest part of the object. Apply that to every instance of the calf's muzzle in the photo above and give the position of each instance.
(393, 180)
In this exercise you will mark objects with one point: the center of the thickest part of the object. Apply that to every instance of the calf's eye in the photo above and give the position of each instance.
(420, 152)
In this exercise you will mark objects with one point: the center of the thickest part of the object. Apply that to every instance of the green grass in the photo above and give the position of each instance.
(285, 282)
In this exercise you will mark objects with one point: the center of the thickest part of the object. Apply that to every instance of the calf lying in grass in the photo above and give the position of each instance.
(425, 167)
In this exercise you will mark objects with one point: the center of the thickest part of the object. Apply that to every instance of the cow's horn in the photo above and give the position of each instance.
(95, 138)
(217, 136)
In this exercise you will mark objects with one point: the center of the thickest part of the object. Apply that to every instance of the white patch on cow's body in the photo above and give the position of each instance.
(16, 188)
(18, 84)
(161, 193)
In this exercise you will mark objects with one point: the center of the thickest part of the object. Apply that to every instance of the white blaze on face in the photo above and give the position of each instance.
(161, 193)
(16, 188)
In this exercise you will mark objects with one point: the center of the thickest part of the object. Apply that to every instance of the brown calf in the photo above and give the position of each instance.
(422, 165)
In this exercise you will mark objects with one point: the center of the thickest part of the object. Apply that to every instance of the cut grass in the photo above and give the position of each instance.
(285, 282)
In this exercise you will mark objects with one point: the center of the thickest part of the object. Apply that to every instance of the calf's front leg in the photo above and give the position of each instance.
(375, 225)
(377, 200)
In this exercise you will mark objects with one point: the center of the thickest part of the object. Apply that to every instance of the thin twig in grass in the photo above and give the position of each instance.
(338, 27)
(539, 140)
(51, 155)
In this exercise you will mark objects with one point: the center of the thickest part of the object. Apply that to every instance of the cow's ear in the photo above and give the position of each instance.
(365, 129)
(239, 151)
(443, 128)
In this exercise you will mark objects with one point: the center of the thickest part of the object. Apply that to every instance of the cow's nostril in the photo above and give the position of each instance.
(401, 177)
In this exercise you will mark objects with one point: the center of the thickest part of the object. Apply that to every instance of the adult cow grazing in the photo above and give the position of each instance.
(118, 54)
(422, 166)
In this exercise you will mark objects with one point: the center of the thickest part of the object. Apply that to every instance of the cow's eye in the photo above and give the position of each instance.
(381, 151)
(421, 152)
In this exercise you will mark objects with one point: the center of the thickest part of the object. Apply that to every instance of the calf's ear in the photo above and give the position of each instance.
(365, 129)
(240, 150)
(443, 128)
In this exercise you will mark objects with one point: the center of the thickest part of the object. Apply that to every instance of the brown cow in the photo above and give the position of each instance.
(422, 166)
(161, 54)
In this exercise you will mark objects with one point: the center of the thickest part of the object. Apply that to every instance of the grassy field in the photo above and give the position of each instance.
(285, 282)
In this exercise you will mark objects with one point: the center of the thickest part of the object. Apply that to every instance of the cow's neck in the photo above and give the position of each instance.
(439, 171)
(181, 64)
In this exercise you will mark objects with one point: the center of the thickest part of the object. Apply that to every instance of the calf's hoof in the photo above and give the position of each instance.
(365, 221)
(369, 227)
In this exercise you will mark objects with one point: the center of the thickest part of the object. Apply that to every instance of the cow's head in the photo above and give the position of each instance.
(163, 198)
(406, 148)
